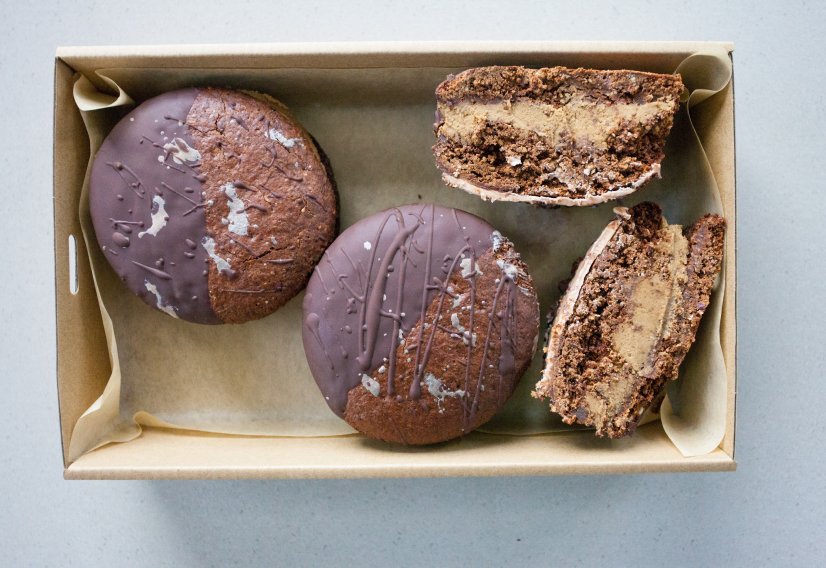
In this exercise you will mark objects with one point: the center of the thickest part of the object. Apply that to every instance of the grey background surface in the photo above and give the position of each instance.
(770, 512)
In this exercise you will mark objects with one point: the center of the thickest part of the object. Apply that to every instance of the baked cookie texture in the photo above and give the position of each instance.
(628, 318)
(418, 323)
(553, 136)
(212, 205)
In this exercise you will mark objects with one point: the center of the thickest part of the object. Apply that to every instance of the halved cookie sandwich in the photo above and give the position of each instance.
(553, 136)
(628, 318)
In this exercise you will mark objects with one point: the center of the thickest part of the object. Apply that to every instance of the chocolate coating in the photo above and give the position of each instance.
(212, 205)
(418, 323)
(126, 178)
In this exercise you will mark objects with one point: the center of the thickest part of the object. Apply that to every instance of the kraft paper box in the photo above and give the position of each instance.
(132, 409)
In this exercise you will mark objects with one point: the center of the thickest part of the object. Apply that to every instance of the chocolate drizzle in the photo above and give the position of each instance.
(120, 239)
(134, 184)
(384, 290)
(159, 273)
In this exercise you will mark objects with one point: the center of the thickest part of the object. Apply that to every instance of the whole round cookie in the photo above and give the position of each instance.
(212, 205)
(418, 323)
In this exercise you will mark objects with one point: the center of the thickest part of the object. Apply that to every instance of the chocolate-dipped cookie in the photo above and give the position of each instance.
(418, 323)
(212, 205)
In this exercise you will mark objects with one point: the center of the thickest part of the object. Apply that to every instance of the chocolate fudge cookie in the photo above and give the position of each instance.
(553, 136)
(418, 323)
(212, 205)
(628, 318)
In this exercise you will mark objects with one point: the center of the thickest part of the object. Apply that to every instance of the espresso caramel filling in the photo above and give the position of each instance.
(589, 122)
(652, 304)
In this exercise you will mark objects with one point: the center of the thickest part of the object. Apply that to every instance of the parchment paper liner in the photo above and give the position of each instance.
(375, 124)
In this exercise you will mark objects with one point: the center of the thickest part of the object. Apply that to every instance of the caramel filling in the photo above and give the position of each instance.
(609, 401)
(586, 121)
(652, 304)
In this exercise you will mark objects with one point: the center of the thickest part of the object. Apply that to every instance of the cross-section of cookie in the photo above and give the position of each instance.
(418, 323)
(553, 136)
(212, 205)
(628, 318)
